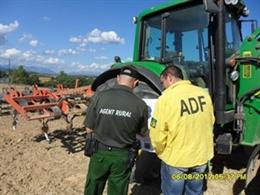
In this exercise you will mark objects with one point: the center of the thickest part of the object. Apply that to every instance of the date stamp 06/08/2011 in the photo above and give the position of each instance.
(208, 176)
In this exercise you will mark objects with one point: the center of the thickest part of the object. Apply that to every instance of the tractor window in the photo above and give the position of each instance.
(185, 41)
(232, 43)
(152, 40)
(233, 38)
(192, 43)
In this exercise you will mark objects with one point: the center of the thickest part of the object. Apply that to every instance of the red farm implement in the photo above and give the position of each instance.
(5, 108)
(46, 105)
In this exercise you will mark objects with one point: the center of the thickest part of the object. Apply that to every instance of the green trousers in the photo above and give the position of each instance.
(111, 166)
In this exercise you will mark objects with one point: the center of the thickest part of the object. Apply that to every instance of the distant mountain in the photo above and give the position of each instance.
(44, 70)
(37, 69)
(4, 67)
(91, 74)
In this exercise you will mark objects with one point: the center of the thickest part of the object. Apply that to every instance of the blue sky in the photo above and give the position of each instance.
(72, 35)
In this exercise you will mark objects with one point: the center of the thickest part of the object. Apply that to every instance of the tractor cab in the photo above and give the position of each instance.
(198, 36)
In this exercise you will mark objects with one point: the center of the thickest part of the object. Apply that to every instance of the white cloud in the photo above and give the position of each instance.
(67, 52)
(25, 37)
(83, 44)
(93, 68)
(49, 61)
(10, 53)
(4, 29)
(33, 43)
(16, 54)
(46, 18)
(49, 52)
(97, 36)
(53, 61)
(31, 57)
(9, 28)
(75, 39)
(101, 57)
(28, 38)
(64, 51)
(28, 55)
(78, 66)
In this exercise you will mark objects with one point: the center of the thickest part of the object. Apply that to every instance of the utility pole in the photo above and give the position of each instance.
(9, 71)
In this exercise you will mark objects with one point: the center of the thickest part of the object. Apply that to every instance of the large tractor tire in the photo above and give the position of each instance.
(253, 172)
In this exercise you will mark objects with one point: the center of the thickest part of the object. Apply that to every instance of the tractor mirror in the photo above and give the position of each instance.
(211, 6)
(117, 59)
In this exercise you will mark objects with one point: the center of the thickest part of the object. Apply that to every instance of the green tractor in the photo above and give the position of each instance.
(204, 39)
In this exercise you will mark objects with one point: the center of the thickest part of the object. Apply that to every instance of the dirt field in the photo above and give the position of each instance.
(29, 165)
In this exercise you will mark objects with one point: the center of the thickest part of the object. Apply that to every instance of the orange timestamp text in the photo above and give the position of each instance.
(208, 176)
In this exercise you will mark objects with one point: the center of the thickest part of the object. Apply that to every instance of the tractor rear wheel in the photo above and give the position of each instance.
(253, 167)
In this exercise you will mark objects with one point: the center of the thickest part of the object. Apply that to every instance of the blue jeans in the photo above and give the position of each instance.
(172, 185)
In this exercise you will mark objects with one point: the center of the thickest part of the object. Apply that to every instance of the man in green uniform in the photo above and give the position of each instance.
(115, 116)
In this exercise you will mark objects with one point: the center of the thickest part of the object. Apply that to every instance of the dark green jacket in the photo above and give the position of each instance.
(116, 115)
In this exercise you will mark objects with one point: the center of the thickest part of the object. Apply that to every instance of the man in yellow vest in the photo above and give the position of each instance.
(181, 133)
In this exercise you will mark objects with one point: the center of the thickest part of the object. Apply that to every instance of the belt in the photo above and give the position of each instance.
(102, 146)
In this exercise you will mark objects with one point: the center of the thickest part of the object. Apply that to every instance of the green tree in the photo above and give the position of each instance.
(19, 75)
(85, 81)
(51, 83)
(2, 74)
(33, 79)
(68, 81)
(65, 80)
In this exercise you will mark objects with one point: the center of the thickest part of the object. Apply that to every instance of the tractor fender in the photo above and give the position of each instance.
(146, 76)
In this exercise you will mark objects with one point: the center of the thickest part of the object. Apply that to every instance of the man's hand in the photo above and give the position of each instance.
(143, 135)
(89, 130)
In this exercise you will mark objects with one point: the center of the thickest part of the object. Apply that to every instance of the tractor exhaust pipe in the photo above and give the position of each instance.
(220, 91)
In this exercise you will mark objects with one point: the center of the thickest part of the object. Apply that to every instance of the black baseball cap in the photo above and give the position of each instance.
(129, 70)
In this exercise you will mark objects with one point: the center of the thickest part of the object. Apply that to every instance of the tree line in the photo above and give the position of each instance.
(21, 76)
